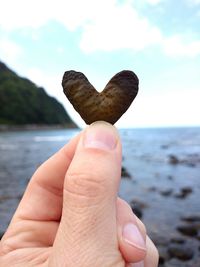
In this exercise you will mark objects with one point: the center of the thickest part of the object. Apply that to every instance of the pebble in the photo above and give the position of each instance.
(178, 263)
(177, 240)
(191, 218)
(180, 252)
(125, 173)
(184, 192)
(163, 254)
(159, 240)
(190, 161)
(166, 192)
(164, 146)
(173, 263)
(188, 230)
(137, 211)
(137, 207)
(173, 160)
(170, 177)
(152, 189)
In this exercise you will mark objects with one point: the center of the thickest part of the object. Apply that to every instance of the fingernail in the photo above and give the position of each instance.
(100, 135)
(133, 237)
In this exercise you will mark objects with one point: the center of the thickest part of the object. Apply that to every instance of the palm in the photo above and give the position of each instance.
(31, 249)
(30, 237)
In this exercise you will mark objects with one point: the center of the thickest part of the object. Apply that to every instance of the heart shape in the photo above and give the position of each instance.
(109, 105)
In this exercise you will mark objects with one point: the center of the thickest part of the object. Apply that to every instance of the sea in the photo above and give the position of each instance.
(162, 177)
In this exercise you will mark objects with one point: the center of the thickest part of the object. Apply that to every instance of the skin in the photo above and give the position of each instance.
(70, 214)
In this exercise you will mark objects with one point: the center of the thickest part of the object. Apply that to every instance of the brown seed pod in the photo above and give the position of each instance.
(108, 105)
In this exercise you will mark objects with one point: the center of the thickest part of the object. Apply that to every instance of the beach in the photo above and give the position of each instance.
(160, 179)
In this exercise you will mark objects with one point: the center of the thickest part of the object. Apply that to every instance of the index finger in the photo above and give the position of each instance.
(42, 200)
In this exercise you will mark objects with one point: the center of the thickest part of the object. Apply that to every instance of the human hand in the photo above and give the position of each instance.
(70, 214)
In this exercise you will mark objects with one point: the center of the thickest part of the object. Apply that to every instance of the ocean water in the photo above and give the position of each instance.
(155, 182)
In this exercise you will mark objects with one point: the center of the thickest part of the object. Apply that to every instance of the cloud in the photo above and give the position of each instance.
(104, 25)
(193, 2)
(9, 50)
(44, 79)
(73, 14)
(176, 46)
(22, 14)
(154, 2)
(120, 28)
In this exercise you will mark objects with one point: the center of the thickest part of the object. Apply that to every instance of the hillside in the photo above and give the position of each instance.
(22, 102)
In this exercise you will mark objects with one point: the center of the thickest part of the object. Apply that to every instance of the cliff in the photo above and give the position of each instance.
(22, 102)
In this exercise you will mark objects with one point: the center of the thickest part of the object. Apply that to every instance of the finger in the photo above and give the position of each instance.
(131, 233)
(42, 200)
(152, 257)
(88, 225)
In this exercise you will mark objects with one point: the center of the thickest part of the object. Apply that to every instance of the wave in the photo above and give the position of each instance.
(58, 138)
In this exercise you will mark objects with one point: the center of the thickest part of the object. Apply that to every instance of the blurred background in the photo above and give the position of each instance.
(157, 39)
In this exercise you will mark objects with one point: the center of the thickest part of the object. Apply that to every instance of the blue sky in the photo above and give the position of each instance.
(158, 39)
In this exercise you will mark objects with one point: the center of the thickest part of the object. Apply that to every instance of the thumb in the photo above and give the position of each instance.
(87, 235)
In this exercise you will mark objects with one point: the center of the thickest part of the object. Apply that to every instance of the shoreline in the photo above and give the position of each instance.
(35, 127)
(160, 181)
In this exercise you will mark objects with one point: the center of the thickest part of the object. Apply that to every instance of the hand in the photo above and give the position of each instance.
(70, 214)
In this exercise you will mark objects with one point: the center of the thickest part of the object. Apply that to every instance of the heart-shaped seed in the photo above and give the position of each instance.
(109, 105)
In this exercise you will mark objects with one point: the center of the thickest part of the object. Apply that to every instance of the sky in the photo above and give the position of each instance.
(157, 39)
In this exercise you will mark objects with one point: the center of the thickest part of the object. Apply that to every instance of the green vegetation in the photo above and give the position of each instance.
(22, 102)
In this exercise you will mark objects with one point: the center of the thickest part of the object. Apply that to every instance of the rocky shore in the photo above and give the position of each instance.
(160, 180)
(35, 127)
(180, 247)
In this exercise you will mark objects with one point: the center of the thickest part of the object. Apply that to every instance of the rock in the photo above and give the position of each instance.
(173, 160)
(188, 230)
(198, 237)
(19, 197)
(191, 218)
(164, 146)
(152, 189)
(187, 190)
(159, 240)
(163, 254)
(174, 263)
(177, 240)
(137, 207)
(191, 160)
(125, 173)
(180, 252)
(109, 105)
(184, 192)
(137, 211)
(190, 164)
(166, 192)
(194, 263)
(140, 203)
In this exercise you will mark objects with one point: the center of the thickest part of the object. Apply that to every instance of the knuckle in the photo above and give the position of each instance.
(85, 185)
